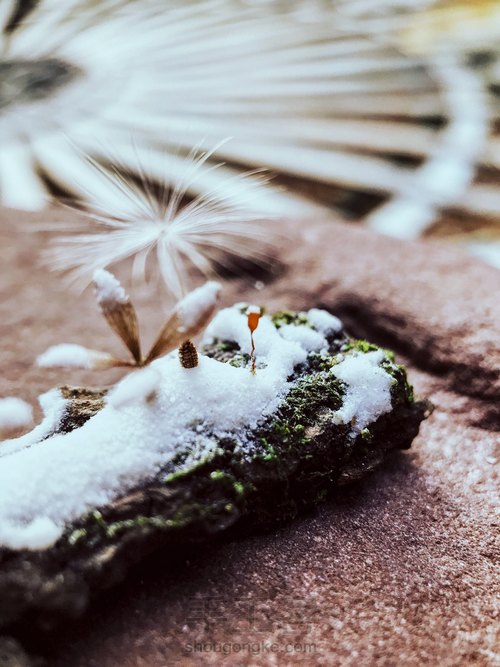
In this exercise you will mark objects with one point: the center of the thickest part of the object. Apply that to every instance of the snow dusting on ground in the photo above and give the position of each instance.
(68, 355)
(14, 414)
(156, 412)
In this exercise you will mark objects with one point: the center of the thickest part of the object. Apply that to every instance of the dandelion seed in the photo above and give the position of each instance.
(187, 319)
(155, 220)
(118, 310)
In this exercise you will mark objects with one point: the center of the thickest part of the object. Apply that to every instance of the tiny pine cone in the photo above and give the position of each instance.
(188, 355)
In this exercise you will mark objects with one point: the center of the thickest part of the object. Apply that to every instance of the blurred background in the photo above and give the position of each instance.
(385, 113)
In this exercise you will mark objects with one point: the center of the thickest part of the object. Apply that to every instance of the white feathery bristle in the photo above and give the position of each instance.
(201, 233)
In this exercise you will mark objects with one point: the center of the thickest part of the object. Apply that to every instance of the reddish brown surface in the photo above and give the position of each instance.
(397, 571)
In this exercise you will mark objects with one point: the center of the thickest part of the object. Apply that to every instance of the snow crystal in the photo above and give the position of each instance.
(230, 324)
(138, 386)
(45, 485)
(309, 339)
(68, 355)
(53, 406)
(38, 534)
(324, 321)
(14, 413)
(108, 288)
(202, 299)
(368, 389)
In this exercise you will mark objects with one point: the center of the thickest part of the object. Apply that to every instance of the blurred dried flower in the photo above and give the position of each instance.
(386, 111)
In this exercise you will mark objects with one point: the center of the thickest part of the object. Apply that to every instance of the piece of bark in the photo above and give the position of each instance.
(296, 457)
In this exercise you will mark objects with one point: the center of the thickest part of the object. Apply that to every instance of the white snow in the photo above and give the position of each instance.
(14, 414)
(108, 288)
(69, 355)
(141, 385)
(252, 310)
(368, 389)
(309, 339)
(199, 300)
(53, 406)
(38, 534)
(45, 485)
(324, 321)
(230, 324)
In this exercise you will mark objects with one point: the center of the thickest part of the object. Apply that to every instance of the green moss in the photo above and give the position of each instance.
(226, 346)
(239, 488)
(244, 307)
(410, 394)
(97, 518)
(240, 360)
(320, 361)
(77, 535)
(178, 474)
(177, 469)
(140, 521)
(179, 519)
(360, 346)
(269, 453)
(217, 474)
(309, 395)
(227, 352)
(288, 317)
(365, 346)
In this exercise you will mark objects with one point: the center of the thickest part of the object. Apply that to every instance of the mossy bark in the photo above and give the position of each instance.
(293, 460)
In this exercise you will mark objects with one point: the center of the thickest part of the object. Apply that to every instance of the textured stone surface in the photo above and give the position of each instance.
(397, 572)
